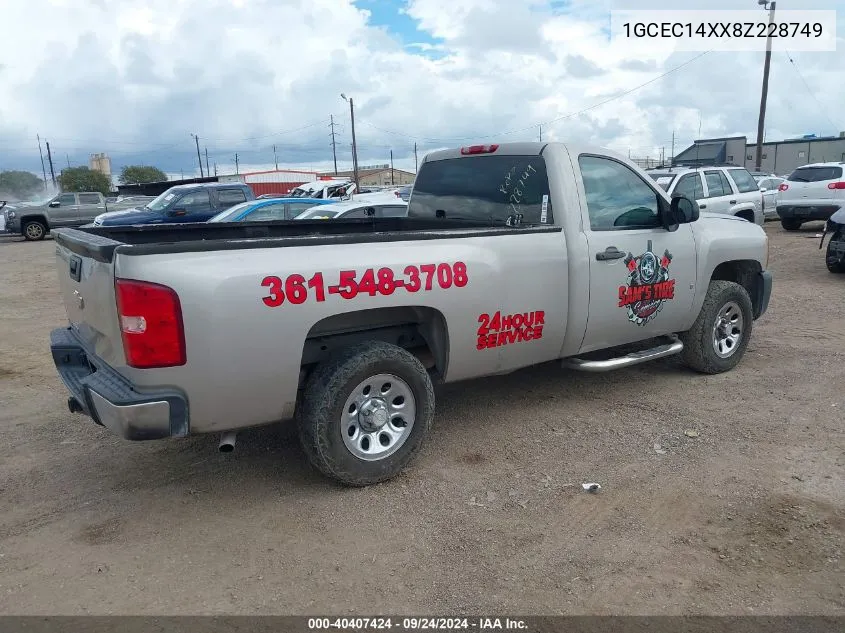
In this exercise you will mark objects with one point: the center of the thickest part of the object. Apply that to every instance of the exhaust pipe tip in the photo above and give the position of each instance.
(74, 405)
(227, 442)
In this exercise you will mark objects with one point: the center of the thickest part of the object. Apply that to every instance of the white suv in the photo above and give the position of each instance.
(729, 190)
(811, 192)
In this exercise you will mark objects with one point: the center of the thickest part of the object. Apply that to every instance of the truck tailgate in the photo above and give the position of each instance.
(87, 288)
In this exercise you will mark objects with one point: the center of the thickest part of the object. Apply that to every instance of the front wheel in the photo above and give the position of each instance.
(365, 412)
(834, 264)
(34, 230)
(791, 224)
(717, 340)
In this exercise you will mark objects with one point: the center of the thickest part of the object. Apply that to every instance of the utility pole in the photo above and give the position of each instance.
(541, 132)
(182, 174)
(662, 155)
(207, 170)
(392, 182)
(415, 159)
(43, 169)
(215, 168)
(275, 158)
(67, 157)
(50, 160)
(354, 144)
(199, 159)
(761, 121)
(672, 157)
(334, 145)
(236, 164)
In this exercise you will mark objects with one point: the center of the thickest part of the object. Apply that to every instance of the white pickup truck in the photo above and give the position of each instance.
(511, 255)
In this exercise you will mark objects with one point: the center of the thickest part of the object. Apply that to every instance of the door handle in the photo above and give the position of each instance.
(611, 252)
(702, 206)
(732, 202)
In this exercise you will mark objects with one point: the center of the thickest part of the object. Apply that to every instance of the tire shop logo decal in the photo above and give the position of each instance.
(648, 285)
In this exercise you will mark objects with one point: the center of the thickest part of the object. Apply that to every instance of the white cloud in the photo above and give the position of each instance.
(126, 77)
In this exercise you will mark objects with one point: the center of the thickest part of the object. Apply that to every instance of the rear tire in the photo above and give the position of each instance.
(351, 422)
(791, 224)
(717, 340)
(34, 230)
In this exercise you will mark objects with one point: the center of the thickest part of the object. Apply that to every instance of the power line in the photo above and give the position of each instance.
(811, 93)
(533, 126)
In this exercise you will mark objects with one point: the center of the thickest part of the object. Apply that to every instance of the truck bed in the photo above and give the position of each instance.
(100, 243)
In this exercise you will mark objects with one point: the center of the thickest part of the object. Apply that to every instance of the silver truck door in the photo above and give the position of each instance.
(642, 277)
(64, 210)
(90, 206)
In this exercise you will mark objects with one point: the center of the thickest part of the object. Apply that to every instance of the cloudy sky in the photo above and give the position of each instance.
(135, 78)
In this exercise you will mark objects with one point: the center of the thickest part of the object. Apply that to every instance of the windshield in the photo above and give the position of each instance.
(318, 213)
(231, 212)
(662, 178)
(162, 202)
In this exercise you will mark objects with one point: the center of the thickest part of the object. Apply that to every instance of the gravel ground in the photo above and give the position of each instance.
(746, 517)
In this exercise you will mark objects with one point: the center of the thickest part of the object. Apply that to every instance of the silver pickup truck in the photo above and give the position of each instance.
(35, 221)
(511, 255)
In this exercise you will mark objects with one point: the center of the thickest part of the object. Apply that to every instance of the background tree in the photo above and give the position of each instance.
(142, 174)
(19, 184)
(84, 179)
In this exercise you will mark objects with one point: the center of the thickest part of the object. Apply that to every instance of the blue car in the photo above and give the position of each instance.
(269, 209)
(182, 203)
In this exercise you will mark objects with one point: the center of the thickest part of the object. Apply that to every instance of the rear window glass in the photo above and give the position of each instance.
(743, 180)
(489, 189)
(815, 174)
(662, 180)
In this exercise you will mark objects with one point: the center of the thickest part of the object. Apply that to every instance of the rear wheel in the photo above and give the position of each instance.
(791, 224)
(717, 340)
(34, 230)
(365, 413)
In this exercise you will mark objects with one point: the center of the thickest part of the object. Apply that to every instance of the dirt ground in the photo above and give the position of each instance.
(746, 518)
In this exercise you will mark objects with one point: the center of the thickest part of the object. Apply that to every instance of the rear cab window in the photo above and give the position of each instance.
(815, 174)
(744, 181)
(231, 196)
(89, 198)
(489, 189)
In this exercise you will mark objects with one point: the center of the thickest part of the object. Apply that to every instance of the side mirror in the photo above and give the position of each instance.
(54, 204)
(683, 210)
(763, 189)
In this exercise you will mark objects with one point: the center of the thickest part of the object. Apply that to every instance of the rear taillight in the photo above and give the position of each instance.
(783, 186)
(479, 149)
(150, 324)
(836, 185)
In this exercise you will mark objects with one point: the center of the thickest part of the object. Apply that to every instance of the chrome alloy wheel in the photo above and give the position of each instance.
(727, 330)
(378, 417)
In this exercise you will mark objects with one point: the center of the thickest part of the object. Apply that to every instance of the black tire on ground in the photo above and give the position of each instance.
(699, 348)
(321, 409)
(791, 224)
(834, 267)
(34, 230)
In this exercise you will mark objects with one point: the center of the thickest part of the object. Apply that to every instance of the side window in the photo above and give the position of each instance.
(394, 211)
(194, 201)
(714, 184)
(357, 213)
(744, 181)
(726, 184)
(690, 186)
(89, 198)
(766, 184)
(67, 199)
(617, 198)
(295, 209)
(267, 213)
(228, 197)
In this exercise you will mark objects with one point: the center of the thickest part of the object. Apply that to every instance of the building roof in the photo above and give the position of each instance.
(800, 140)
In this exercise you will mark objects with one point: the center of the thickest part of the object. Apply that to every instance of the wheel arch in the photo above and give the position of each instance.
(38, 217)
(421, 330)
(744, 272)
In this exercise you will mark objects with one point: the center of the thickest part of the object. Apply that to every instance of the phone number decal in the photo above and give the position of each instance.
(296, 289)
